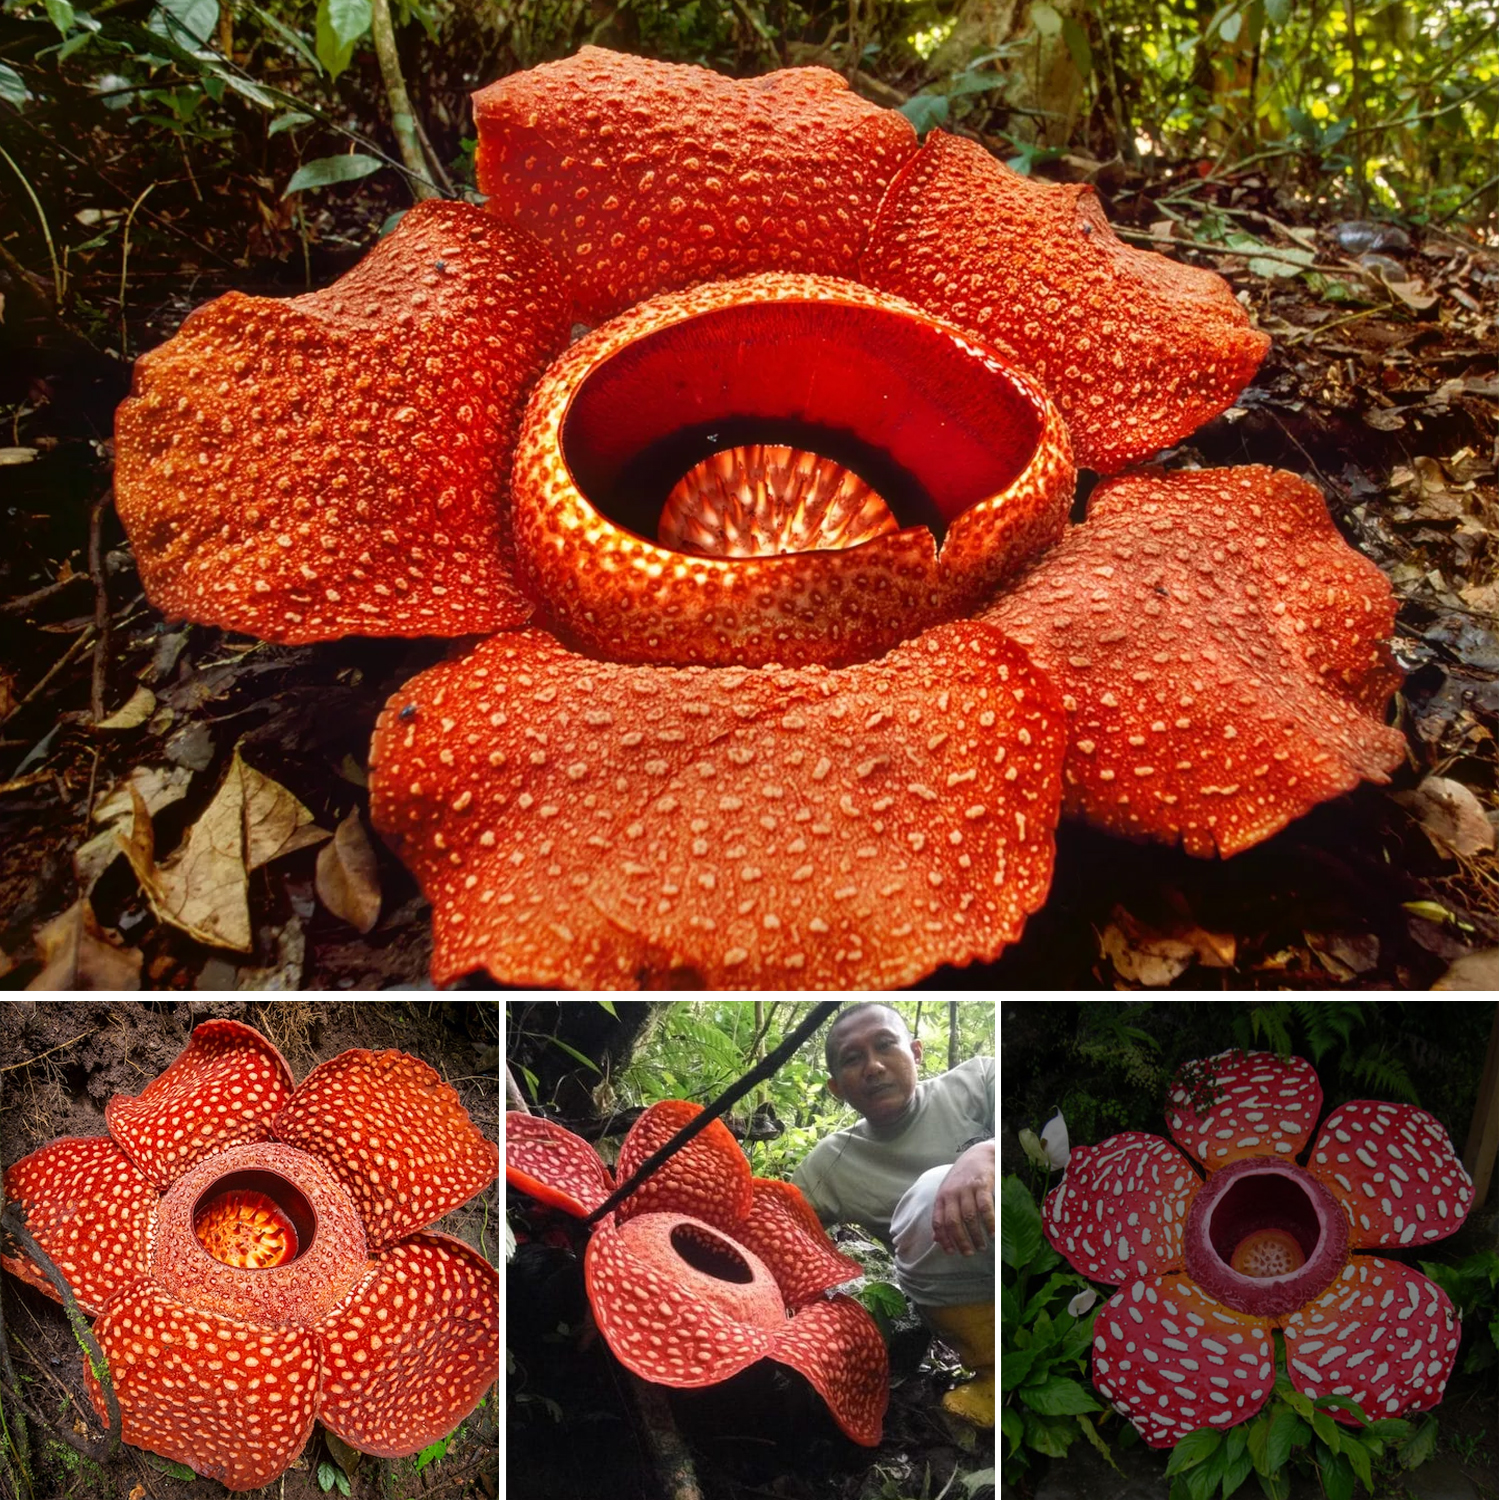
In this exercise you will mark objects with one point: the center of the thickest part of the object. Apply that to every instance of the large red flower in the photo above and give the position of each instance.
(257, 1254)
(1207, 1268)
(704, 1269)
(793, 657)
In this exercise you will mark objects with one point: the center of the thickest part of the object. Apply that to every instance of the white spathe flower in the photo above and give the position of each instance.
(1055, 1141)
(1082, 1302)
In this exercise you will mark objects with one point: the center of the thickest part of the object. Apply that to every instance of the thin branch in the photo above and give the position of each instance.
(101, 605)
(403, 117)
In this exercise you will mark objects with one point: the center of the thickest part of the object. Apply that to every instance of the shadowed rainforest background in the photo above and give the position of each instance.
(1333, 159)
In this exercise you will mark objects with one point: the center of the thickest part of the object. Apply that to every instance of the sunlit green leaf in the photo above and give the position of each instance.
(327, 170)
(13, 90)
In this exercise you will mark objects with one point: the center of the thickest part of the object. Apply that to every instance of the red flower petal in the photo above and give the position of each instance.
(326, 465)
(554, 1165)
(1396, 1173)
(708, 1178)
(1223, 651)
(837, 1346)
(233, 1400)
(1119, 1211)
(577, 822)
(331, 1257)
(394, 1134)
(644, 176)
(1382, 1335)
(666, 1319)
(1171, 1359)
(90, 1210)
(786, 1234)
(977, 445)
(1136, 349)
(1263, 1105)
(222, 1090)
(407, 1358)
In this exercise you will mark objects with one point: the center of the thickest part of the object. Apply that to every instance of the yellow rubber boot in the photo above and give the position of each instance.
(970, 1329)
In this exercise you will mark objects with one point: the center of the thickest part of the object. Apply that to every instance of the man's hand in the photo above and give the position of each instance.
(964, 1210)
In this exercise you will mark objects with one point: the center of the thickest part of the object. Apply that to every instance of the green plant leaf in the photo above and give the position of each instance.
(1327, 1429)
(1020, 1224)
(1057, 1396)
(1337, 1477)
(292, 40)
(291, 120)
(1287, 1431)
(1193, 1449)
(925, 111)
(1013, 1428)
(13, 88)
(340, 25)
(1359, 1460)
(1015, 1366)
(1342, 1403)
(190, 22)
(1049, 1435)
(330, 169)
(60, 13)
(170, 1466)
(1419, 1448)
(431, 1454)
(1236, 1472)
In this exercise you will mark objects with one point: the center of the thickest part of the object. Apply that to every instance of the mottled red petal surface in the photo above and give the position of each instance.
(1118, 1213)
(554, 1165)
(1396, 1173)
(576, 822)
(394, 1134)
(668, 1322)
(969, 444)
(1223, 653)
(328, 465)
(1383, 1335)
(222, 1090)
(332, 1258)
(1136, 349)
(1171, 1359)
(1263, 1105)
(408, 1356)
(708, 1178)
(90, 1210)
(837, 1346)
(644, 176)
(233, 1400)
(786, 1234)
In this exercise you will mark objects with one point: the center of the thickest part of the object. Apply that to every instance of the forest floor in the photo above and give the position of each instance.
(1380, 387)
(64, 1060)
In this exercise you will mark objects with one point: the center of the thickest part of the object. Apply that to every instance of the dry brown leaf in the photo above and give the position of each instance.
(1345, 954)
(1452, 817)
(1153, 958)
(76, 954)
(203, 887)
(139, 708)
(348, 881)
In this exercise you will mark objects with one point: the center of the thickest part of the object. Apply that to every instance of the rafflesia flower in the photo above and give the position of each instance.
(1207, 1268)
(255, 1256)
(793, 657)
(705, 1270)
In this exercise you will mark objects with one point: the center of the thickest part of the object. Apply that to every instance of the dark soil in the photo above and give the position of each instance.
(62, 1062)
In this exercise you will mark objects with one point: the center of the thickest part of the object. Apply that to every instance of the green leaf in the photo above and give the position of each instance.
(430, 1454)
(1015, 1366)
(1287, 1431)
(1299, 1403)
(1337, 1477)
(1359, 1460)
(1275, 1486)
(1020, 1224)
(294, 41)
(330, 169)
(1193, 1449)
(60, 13)
(1229, 27)
(1419, 1449)
(188, 21)
(1236, 1472)
(170, 1466)
(1204, 1480)
(293, 119)
(1013, 1428)
(340, 25)
(1046, 19)
(926, 110)
(1392, 1429)
(1327, 1429)
(1078, 46)
(1257, 1436)
(1278, 11)
(1049, 1436)
(13, 89)
(1057, 1396)
(1342, 1403)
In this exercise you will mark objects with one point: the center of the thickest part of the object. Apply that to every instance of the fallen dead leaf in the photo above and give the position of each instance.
(1474, 971)
(140, 706)
(348, 882)
(77, 954)
(1345, 954)
(1452, 817)
(158, 787)
(204, 886)
(1144, 955)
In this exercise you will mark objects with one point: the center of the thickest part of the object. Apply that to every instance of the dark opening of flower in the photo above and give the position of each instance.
(251, 1220)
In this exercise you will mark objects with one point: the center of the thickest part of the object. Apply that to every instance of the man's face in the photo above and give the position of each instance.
(875, 1065)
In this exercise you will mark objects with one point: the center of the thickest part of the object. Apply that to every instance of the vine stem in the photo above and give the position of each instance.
(403, 117)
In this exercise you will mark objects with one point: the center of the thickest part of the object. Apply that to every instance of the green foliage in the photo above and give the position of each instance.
(1470, 1285)
(331, 1477)
(1048, 1401)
